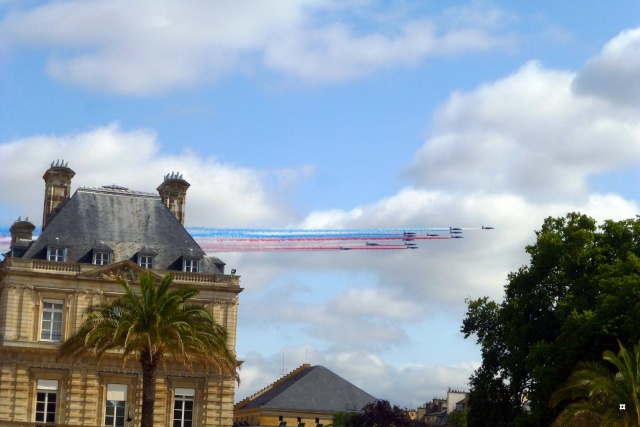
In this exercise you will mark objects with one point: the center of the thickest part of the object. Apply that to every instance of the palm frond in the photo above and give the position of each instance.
(159, 320)
(597, 392)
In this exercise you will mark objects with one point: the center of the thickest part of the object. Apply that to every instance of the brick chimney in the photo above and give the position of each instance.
(57, 190)
(173, 192)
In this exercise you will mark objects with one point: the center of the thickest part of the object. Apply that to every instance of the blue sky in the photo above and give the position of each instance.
(324, 114)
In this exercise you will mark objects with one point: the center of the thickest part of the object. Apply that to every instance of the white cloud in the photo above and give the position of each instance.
(614, 74)
(334, 53)
(527, 134)
(221, 194)
(372, 303)
(142, 47)
(415, 383)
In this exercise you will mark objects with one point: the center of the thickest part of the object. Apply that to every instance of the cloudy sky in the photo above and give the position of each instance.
(337, 114)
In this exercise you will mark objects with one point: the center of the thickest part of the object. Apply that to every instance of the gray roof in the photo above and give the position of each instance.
(125, 221)
(313, 388)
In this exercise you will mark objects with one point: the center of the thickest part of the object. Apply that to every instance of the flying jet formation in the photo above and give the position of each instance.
(382, 239)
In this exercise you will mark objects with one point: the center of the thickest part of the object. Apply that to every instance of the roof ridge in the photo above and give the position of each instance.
(272, 385)
(116, 190)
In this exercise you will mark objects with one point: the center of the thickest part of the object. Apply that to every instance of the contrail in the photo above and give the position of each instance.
(214, 240)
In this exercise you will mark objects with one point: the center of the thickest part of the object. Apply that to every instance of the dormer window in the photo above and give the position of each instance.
(146, 257)
(101, 258)
(145, 261)
(102, 254)
(56, 254)
(191, 265)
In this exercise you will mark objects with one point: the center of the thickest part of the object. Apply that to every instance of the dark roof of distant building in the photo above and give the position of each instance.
(123, 221)
(310, 388)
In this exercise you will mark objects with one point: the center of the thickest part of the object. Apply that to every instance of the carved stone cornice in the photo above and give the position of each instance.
(224, 301)
(30, 287)
(19, 286)
(89, 291)
(128, 270)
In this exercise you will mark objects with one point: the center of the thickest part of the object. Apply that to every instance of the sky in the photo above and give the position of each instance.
(321, 114)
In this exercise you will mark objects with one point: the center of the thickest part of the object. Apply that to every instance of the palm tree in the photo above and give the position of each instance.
(156, 323)
(600, 396)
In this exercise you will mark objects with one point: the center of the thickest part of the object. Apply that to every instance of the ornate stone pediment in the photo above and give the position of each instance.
(128, 270)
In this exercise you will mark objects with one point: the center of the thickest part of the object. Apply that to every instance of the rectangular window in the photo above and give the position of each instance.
(116, 406)
(46, 398)
(51, 320)
(56, 254)
(183, 407)
(101, 258)
(191, 266)
(145, 261)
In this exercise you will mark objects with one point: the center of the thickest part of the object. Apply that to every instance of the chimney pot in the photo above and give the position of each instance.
(57, 189)
(173, 192)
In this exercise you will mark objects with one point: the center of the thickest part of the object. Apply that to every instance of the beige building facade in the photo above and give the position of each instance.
(90, 239)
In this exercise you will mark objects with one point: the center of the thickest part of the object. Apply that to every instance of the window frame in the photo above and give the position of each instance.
(59, 254)
(149, 261)
(116, 390)
(183, 396)
(101, 255)
(191, 265)
(50, 330)
(43, 389)
(130, 381)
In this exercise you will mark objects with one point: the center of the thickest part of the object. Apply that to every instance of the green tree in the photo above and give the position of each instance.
(382, 414)
(458, 418)
(158, 322)
(596, 392)
(578, 294)
(343, 419)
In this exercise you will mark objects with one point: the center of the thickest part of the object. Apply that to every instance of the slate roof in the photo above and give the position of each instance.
(122, 220)
(310, 388)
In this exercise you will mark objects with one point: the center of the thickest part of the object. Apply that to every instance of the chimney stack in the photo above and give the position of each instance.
(57, 189)
(173, 192)
(21, 230)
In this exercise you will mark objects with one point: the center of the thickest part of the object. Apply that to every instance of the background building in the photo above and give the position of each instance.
(435, 413)
(88, 240)
(308, 396)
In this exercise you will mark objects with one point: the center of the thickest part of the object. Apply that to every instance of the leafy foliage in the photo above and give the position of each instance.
(343, 419)
(376, 414)
(597, 393)
(158, 322)
(579, 293)
(458, 418)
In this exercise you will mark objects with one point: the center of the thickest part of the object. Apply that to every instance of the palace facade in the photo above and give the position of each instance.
(87, 240)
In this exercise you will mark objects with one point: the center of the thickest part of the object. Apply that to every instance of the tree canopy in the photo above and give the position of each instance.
(376, 414)
(578, 295)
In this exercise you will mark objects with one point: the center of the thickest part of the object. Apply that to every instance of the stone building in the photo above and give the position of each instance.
(309, 396)
(87, 240)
